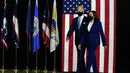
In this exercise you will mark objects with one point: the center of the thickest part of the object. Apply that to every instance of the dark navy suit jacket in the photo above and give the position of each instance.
(74, 27)
(92, 37)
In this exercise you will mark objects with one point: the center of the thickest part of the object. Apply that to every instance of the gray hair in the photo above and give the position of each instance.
(80, 6)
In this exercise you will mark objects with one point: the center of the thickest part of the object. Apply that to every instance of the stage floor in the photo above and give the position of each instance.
(32, 71)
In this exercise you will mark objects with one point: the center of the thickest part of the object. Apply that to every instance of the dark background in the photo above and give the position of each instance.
(122, 39)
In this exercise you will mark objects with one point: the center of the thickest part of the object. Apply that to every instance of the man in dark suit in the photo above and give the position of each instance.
(76, 26)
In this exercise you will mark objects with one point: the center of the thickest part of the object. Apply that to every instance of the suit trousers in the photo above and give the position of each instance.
(81, 60)
(91, 59)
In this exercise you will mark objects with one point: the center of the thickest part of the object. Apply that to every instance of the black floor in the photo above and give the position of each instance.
(33, 71)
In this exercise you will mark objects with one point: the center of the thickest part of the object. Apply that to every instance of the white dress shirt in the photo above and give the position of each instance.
(90, 26)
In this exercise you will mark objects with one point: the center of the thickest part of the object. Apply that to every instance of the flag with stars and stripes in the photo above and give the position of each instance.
(46, 27)
(106, 10)
(15, 32)
(4, 29)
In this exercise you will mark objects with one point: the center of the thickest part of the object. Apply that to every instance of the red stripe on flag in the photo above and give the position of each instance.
(4, 44)
(107, 36)
(46, 39)
(98, 8)
(71, 47)
(114, 60)
(98, 49)
(63, 37)
(2, 40)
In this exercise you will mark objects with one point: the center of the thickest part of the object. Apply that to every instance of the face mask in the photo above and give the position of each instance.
(80, 13)
(90, 18)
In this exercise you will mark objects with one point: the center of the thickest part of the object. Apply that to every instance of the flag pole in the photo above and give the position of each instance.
(36, 47)
(16, 47)
(36, 62)
(3, 61)
(28, 44)
(54, 69)
(3, 54)
(36, 68)
(27, 56)
(45, 70)
(54, 6)
(27, 69)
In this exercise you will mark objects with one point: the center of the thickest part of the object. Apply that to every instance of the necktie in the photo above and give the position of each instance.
(78, 22)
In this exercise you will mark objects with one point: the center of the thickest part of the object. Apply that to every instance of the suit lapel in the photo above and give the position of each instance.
(77, 23)
(83, 21)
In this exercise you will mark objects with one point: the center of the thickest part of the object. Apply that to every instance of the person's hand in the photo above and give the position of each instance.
(79, 46)
(67, 38)
(105, 47)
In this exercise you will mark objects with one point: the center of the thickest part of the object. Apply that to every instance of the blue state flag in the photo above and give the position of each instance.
(28, 25)
(36, 34)
(28, 22)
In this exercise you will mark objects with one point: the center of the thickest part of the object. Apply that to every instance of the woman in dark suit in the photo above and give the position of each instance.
(90, 38)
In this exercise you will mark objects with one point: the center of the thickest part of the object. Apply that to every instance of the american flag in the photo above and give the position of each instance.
(4, 30)
(106, 10)
(15, 32)
(45, 27)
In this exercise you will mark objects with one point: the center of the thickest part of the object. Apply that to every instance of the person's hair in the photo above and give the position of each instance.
(96, 18)
(80, 6)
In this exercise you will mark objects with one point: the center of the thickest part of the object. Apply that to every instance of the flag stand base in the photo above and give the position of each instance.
(15, 70)
(2, 70)
(36, 71)
(54, 71)
(45, 71)
(26, 70)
